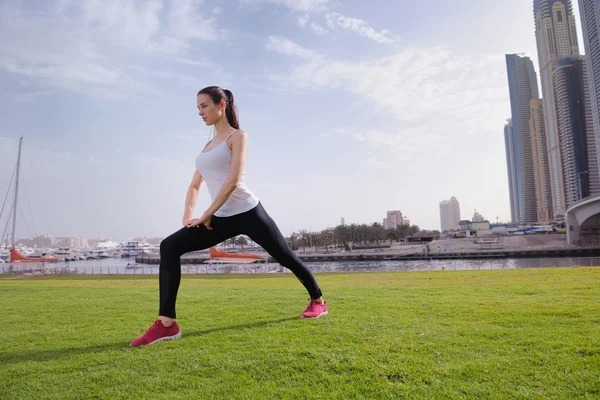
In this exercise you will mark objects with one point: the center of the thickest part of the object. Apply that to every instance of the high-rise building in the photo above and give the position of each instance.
(449, 214)
(577, 140)
(556, 37)
(541, 176)
(393, 219)
(590, 20)
(511, 166)
(522, 83)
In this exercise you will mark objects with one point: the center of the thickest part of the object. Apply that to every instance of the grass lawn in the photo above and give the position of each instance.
(502, 334)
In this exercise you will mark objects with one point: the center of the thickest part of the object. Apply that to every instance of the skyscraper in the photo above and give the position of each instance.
(449, 214)
(541, 176)
(577, 140)
(590, 19)
(522, 83)
(556, 38)
(511, 166)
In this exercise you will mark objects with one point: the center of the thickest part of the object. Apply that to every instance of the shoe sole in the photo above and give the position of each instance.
(323, 313)
(174, 337)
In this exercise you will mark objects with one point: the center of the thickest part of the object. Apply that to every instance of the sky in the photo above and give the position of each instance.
(352, 108)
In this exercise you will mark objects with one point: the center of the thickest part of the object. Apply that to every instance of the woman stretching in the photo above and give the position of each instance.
(234, 210)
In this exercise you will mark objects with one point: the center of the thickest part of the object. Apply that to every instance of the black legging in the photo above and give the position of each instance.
(256, 223)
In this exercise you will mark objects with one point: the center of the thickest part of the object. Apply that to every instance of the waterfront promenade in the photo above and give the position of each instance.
(530, 246)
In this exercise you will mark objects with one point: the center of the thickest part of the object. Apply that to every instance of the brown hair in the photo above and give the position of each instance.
(217, 94)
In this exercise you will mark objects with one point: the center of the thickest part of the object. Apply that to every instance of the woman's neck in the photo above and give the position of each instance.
(222, 127)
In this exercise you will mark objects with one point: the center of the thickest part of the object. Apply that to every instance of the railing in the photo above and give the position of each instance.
(585, 199)
(351, 266)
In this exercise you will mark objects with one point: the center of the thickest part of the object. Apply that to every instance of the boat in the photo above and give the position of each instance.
(222, 257)
(16, 256)
(133, 248)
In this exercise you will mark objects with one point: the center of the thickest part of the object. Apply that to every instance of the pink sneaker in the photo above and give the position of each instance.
(156, 333)
(314, 310)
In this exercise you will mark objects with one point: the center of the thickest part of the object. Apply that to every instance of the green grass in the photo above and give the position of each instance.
(532, 333)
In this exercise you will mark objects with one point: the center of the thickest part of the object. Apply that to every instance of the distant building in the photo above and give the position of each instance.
(394, 218)
(590, 20)
(541, 175)
(576, 129)
(556, 37)
(477, 217)
(449, 215)
(522, 83)
(45, 241)
(475, 228)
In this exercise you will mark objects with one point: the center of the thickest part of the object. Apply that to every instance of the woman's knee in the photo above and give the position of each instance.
(168, 246)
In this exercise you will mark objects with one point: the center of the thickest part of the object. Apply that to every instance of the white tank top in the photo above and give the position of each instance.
(214, 167)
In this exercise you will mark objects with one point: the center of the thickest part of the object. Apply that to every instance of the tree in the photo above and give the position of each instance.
(293, 241)
(241, 241)
(304, 238)
(327, 238)
(391, 235)
(379, 232)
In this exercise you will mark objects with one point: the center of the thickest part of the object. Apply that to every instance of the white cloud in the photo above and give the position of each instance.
(318, 28)
(217, 10)
(298, 5)
(199, 63)
(187, 22)
(81, 45)
(359, 26)
(303, 22)
(441, 109)
(287, 47)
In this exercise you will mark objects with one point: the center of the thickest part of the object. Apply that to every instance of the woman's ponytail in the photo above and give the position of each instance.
(231, 110)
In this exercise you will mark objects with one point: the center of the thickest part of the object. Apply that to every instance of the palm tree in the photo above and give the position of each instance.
(304, 238)
(293, 240)
(391, 235)
(327, 237)
(241, 240)
(378, 233)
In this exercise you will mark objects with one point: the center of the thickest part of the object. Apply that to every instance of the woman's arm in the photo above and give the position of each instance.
(192, 196)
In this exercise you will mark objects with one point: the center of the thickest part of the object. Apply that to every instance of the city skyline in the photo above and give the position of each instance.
(551, 146)
(110, 150)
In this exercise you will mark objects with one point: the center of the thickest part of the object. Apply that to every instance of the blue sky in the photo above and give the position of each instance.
(352, 108)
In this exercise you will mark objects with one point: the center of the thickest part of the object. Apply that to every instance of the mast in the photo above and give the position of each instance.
(14, 230)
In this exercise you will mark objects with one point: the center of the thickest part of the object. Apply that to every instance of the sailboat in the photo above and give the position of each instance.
(15, 256)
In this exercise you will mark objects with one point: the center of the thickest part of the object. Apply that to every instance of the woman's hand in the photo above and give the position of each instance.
(196, 222)
(186, 220)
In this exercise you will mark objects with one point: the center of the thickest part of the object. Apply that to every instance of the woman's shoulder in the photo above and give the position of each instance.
(240, 134)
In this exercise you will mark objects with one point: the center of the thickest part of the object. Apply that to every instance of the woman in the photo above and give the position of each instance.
(234, 210)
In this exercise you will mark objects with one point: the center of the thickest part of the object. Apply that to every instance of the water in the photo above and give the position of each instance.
(128, 266)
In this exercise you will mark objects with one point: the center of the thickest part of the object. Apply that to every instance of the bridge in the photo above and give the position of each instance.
(583, 222)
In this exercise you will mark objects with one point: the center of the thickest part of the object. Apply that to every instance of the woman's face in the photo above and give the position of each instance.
(209, 111)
